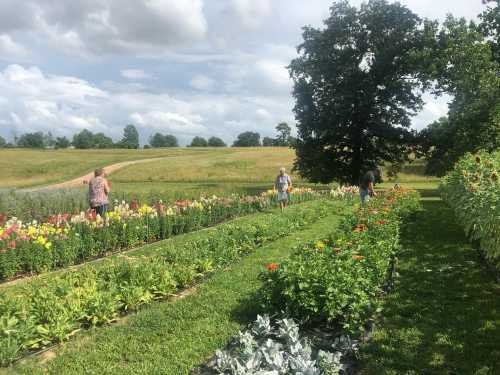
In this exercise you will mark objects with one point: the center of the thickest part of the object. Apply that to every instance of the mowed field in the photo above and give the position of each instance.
(28, 168)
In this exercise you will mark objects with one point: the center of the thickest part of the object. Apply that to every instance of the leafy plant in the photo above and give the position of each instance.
(472, 189)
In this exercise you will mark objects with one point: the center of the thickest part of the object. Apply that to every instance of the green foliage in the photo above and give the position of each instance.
(472, 189)
(284, 132)
(336, 281)
(465, 66)
(62, 143)
(490, 26)
(216, 142)
(160, 140)
(3, 142)
(199, 142)
(32, 140)
(83, 140)
(130, 138)
(101, 141)
(247, 139)
(52, 310)
(355, 87)
(267, 142)
(88, 238)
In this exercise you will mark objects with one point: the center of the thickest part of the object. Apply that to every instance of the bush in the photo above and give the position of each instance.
(335, 281)
(472, 190)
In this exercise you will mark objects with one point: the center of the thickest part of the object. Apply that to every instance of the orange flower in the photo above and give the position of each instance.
(358, 257)
(272, 266)
(360, 228)
(380, 222)
(337, 250)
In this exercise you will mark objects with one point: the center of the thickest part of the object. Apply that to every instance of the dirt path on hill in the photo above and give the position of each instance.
(79, 181)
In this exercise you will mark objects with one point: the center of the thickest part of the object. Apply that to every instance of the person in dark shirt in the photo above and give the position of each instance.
(367, 183)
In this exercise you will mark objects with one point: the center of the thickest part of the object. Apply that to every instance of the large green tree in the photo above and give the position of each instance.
(62, 142)
(100, 140)
(216, 142)
(32, 140)
(84, 140)
(3, 142)
(199, 142)
(159, 140)
(466, 67)
(247, 139)
(356, 86)
(130, 138)
(284, 133)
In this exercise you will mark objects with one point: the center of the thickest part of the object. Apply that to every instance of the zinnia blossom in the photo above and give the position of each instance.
(272, 266)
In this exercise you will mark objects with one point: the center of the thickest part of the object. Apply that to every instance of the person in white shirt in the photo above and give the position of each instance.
(283, 184)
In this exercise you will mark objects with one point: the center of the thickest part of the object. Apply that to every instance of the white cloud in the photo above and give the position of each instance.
(10, 50)
(202, 82)
(94, 27)
(135, 74)
(170, 122)
(252, 13)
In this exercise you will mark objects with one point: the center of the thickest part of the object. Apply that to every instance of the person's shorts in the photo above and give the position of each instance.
(364, 194)
(282, 195)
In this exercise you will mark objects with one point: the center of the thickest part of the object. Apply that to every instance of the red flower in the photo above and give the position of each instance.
(134, 205)
(272, 266)
(380, 222)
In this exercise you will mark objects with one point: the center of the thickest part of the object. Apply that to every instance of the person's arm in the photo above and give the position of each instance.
(107, 187)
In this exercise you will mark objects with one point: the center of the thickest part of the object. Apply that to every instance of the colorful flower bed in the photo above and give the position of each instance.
(472, 190)
(44, 310)
(64, 240)
(335, 281)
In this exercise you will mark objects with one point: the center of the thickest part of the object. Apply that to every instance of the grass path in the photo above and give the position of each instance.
(173, 337)
(444, 314)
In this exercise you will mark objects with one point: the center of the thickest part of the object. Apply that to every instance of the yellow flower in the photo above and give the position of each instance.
(320, 245)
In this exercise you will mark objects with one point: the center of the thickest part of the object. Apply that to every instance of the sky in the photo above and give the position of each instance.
(182, 67)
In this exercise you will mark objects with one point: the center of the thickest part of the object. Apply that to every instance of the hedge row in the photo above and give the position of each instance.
(335, 281)
(472, 190)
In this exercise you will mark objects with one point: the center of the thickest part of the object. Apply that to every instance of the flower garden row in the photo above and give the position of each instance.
(44, 311)
(472, 189)
(333, 282)
(65, 240)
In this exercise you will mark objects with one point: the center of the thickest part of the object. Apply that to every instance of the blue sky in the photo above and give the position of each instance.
(184, 67)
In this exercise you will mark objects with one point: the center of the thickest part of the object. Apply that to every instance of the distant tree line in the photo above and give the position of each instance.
(86, 139)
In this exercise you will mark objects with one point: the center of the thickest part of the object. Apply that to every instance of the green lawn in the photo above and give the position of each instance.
(173, 337)
(444, 315)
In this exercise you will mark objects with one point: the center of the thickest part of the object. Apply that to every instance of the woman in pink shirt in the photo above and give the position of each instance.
(98, 192)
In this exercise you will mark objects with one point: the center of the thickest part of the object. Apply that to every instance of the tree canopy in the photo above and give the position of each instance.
(130, 138)
(160, 140)
(466, 66)
(247, 139)
(199, 142)
(284, 132)
(356, 87)
(216, 142)
(62, 142)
